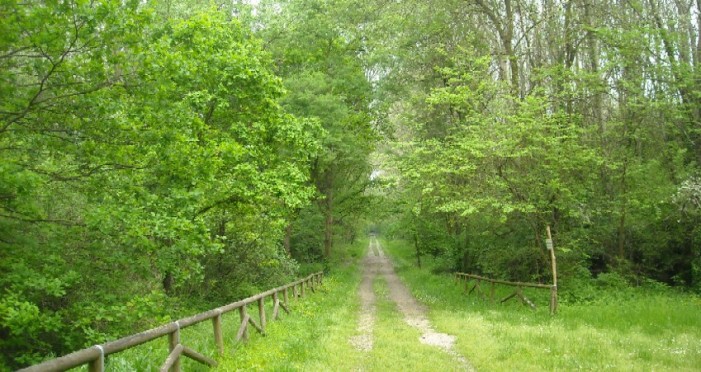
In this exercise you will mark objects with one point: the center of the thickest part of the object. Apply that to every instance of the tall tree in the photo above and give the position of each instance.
(502, 107)
(139, 155)
(316, 47)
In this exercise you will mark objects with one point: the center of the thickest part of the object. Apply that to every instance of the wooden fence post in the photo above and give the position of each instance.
(98, 365)
(284, 296)
(218, 337)
(553, 290)
(276, 306)
(173, 342)
(261, 313)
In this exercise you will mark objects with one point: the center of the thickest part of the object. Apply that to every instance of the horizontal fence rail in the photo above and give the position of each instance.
(95, 356)
(518, 293)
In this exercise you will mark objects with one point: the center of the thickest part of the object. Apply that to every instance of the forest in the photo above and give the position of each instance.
(163, 157)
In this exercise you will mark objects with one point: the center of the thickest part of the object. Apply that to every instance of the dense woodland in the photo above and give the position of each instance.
(163, 157)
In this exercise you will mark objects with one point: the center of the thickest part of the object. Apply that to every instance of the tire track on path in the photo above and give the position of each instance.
(377, 263)
(366, 322)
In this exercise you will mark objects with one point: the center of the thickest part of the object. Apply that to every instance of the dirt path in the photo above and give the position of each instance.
(371, 265)
(374, 264)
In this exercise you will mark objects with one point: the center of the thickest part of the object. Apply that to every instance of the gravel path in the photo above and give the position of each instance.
(376, 263)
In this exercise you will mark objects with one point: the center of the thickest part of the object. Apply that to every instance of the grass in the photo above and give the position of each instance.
(289, 341)
(316, 337)
(626, 330)
(397, 346)
(644, 330)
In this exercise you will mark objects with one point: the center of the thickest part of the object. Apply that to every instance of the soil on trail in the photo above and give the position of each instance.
(376, 263)
(363, 341)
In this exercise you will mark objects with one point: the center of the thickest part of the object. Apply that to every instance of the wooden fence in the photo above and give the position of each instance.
(95, 356)
(518, 293)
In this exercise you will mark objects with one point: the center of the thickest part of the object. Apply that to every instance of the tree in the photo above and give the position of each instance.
(559, 116)
(316, 51)
(140, 155)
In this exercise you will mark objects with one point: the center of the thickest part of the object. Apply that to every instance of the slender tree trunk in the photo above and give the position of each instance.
(685, 88)
(287, 239)
(509, 50)
(505, 30)
(328, 223)
(328, 234)
(418, 250)
(168, 282)
(622, 218)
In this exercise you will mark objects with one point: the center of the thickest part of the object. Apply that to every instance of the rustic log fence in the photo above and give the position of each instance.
(95, 356)
(518, 293)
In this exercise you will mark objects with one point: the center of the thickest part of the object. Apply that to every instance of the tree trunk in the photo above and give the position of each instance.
(168, 282)
(328, 234)
(288, 237)
(418, 250)
(328, 223)
(505, 30)
(622, 218)
(509, 50)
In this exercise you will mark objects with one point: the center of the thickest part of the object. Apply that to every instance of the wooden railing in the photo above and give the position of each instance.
(95, 356)
(518, 293)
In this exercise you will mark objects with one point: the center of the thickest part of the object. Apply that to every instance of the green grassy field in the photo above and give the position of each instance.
(638, 330)
(641, 330)
(316, 337)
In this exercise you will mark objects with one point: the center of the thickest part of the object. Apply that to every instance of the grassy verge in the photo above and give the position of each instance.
(292, 343)
(315, 335)
(644, 330)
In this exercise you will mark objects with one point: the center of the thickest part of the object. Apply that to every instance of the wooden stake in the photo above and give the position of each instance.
(553, 291)
(256, 326)
(243, 329)
(276, 306)
(261, 312)
(192, 354)
(173, 343)
(172, 360)
(98, 365)
(218, 336)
